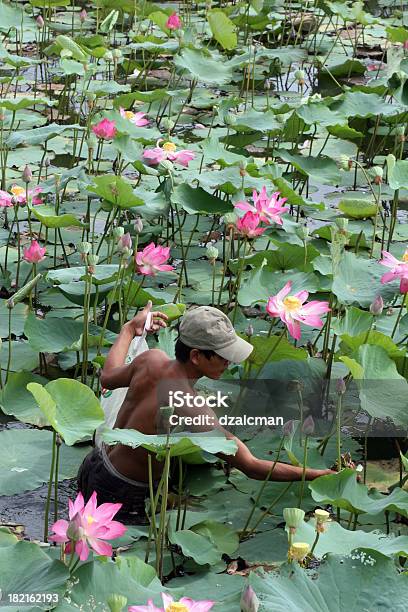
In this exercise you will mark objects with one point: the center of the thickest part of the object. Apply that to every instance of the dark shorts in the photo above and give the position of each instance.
(98, 474)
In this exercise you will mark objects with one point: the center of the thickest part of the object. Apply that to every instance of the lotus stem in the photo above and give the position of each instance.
(302, 484)
(50, 481)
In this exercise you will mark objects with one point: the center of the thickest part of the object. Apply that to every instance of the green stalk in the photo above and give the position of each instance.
(267, 511)
(50, 481)
(302, 484)
(262, 488)
(57, 444)
(163, 512)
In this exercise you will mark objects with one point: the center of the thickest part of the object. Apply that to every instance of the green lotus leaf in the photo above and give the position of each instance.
(358, 209)
(25, 457)
(70, 407)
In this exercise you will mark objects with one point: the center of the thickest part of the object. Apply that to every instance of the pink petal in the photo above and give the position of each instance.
(105, 512)
(101, 548)
(294, 329)
(388, 276)
(82, 550)
(284, 292)
(302, 296)
(76, 506)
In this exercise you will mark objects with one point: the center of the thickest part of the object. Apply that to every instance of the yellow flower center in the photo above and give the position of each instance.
(176, 607)
(170, 146)
(292, 303)
(90, 519)
(405, 256)
(129, 114)
(16, 190)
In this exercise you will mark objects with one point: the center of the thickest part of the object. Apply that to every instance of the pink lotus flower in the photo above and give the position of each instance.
(152, 260)
(105, 129)
(88, 526)
(399, 270)
(248, 225)
(125, 242)
(137, 118)
(168, 151)
(268, 209)
(5, 199)
(185, 604)
(173, 22)
(34, 253)
(291, 309)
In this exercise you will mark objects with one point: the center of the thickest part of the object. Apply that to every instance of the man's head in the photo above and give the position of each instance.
(208, 340)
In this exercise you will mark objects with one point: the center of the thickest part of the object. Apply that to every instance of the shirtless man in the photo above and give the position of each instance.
(207, 344)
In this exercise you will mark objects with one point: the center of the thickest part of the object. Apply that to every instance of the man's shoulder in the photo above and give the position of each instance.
(155, 356)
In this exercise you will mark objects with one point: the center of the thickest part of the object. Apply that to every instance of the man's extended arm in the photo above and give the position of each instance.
(259, 469)
(115, 373)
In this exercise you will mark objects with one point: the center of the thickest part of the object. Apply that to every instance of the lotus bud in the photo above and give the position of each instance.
(300, 76)
(117, 54)
(125, 242)
(65, 53)
(83, 249)
(126, 253)
(378, 173)
(230, 119)
(249, 601)
(83, 15)
(299, 550)
(27, 175)
(74, 528)
(293, 517)
(230, 218)
(116, 602)
(288, 428)
(308, 426)
(211, 252)
(249, 331)
(342, 224)
(138, 225)
(108, 57)
(166, 164)
(341, 386)
(345, 162)
(168, 124)
(400, 133)
(92, 262)
(242, 168)
(118, 232)
(39, 22)
(302, 232)
(377, 306)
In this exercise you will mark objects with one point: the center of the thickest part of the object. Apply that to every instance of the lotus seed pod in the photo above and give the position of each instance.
(300, 75)
(117, 54)
(108, 57)
(211, 252)
(84, 248)
(138, 225)
(118, 232)
(83, 15)
(40, 22)
(126, 253)
(308, 426)
(321, 516)
(92, 261)
(299, 550)
(249, 601)
(293, 517)
(377, 306)
(27, 175)
(116, 602)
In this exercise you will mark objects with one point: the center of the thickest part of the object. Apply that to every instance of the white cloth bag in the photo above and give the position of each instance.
(111, 401)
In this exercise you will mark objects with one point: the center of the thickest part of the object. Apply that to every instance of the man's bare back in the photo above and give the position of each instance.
(143, 400)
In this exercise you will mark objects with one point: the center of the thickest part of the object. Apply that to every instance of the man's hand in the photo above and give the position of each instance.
(136, 325)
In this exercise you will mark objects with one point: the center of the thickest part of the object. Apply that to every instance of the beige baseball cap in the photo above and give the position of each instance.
(208, 328)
